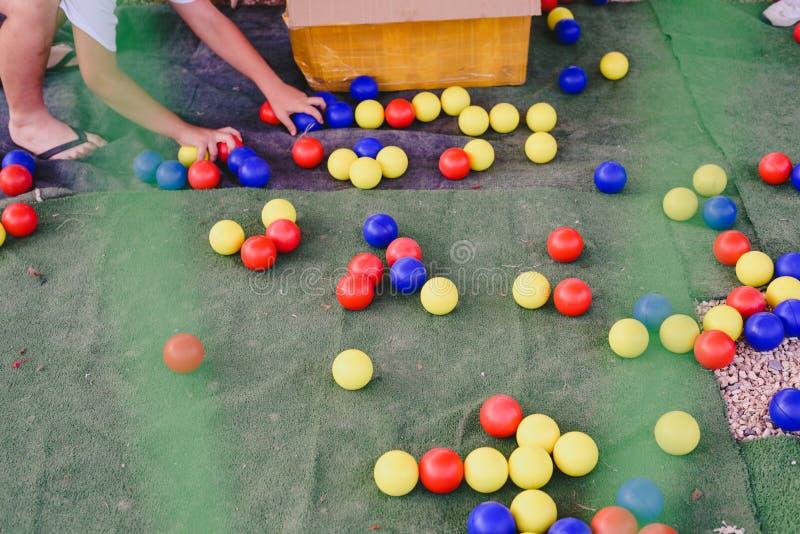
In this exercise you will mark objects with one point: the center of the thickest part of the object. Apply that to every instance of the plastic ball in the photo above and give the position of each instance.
(145, 165)
(651, 310)
(610, 177)
(441, 470)
(725, 318)
(754, 268)
(678, 332)
(305, 123)
(709, 180)
(393, 161)
(427, 106)
(556, 15)
(575, 454)
(680, 204)
(285, 234)
(365, 173)
(534, 510)
(369, 114)
(572, 80)
(796, 33)
(795, 177)
(764, 331)
(481, 154)
(222, 149)
(657, 528)
(226, 237)
(569, 525)
(2, 235)
(19, 219)
(719, 212)
(339, 115)
(328, 97)
(641, 497)
(203, 174)
(307, 152)
(729, 246)
(628, 338)
(267, 114)
(254, 172)
(380, 230)
(541, 117)
(714, 349)
(454, 163)
(491, 517)
(15, 180)
(473, 121)
(367, 265)
(541, 147)
(503, 118)
(183, 353)
(567, 31)
(439, 296)
(548, 5)
(396, 473)
(19, 157)
(782, 288)
(237, 156)
(188, 155)
(564, 244)
(352, 369)
(339, 163)
(614, 65)
(677, 433)
(530, 467)
(367, 147)
(408, 275)
(784, 409)
(538, 429)
(354, 291)
(500, 416)
(614, 520)
(775, 168)
(572, 297)
(788, 265)
(485, 470)
(171, 175)
(746, 300)
(258, 253)
(531, 290)
(454, 100)
(399, 113)
(277, 208)
(402, 247)
(788, 312)
(364, 88)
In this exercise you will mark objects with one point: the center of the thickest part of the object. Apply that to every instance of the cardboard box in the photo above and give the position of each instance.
(411, 44)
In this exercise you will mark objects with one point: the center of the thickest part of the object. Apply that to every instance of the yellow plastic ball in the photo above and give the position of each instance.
(678, 332)
(188, 155)
(541, 117)
(534, 511)
(439, 296)
(226, 237)
(628, 338)
(369, 114)
(503, 118)
(726, 319)
(754, 268)
(393, 161)
(2, 235)
(339, 163)
(530, 467)
(277, 208)
(709, 180)
(427, 106)
(558, 14)
(538, 429)
(473, 121)
(541, 147)
(575, 454)
(352, 369)
(365, 173)
(614, 65)
(396, 473)
(485, 470)
(454, 100)
(481, 154)
(680, 204)
(531, 290)
(677, 433)
(783, 288)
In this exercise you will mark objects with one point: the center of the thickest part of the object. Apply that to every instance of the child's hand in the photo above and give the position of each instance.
(234, 3)
(286, 100)
(206, 139)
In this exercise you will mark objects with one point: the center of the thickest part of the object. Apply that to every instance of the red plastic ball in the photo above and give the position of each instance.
(399, 113)
(797, 32)
(746, 300)
(259, 253)
(267, 114)
(19, 219)
(354, 292)
(572, 297)
(15, 180)
(402, 247)
(307, 152)
(454, 163)
(285, 234)
(203, 174)
(714, 349)
(183, 353)
(441, 470)
(658, 528)
(500, 416)
(549, 5)
(775, 168)
(222, 149)
(614, 520)
(729, 246)
(564, 244)
(367, 265)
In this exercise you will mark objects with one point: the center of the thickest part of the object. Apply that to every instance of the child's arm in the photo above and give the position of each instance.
(228, 42)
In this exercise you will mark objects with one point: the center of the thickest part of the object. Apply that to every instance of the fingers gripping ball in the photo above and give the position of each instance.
(393, 161)
(531, 290)
(203, 174)
(402, 247)
(306, 123)
(15, 180)
(267, 114)
(183, 353)
(530, 467)
(729, 246)
(746, 300)
(764, 331)
(709, 180)
(754, 269)
(504, 118)
(538, 429)
(396, 473)
(277, 208)
(614, 520)
(145, 165)
(307, 152)
(534, 511)
(339, 163)
(485, 470)
(259, 253)
(285, 234)
(572, 297)
(188, 155)
(454, 163)
(541, 147)
(352, 369)
(226, 237)
(222, 149)
(781, 289)
(572, 80)
(481, 154)
(680, 204)
(784, 409)
(641, 497)
(427, 106)
(491, 517)
(354, 292)
(564, 244)
(369, 114)
(678, 332)
(569, 525)
(439, 296)
(614, 65)
(575, 454)
(651, 310)
(724, 318)
(367, 265)
(719, 212)
(454, 100)
(714, 349)
(500, 416)
(775, 168)
(677, 433)
(628, 338)
(380, 230)
(541, 117)
(441, 470)
(473, 121)
(365, 173)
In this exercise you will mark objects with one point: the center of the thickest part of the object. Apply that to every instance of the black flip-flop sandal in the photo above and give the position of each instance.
(63, 63)
(48, 154)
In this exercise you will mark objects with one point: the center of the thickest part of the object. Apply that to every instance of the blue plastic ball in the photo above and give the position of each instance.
(20, 157)
(379, 230)
(305, 122)
(784, 409)
(788, 265)
(364, 88)
(796, 176)
(491, 517)
(764, 331)
(327, 96)
(567, 31)
(368, 147)
(651, 310)
(408, 275)
(254, 172)
(610, 177)
(339, 115)
(642, 498)
(237, 157)
(171, 174)
(788, 312)
(572, 80)
(145, 165)
(719, 212)
(569, 525)
(599, 2)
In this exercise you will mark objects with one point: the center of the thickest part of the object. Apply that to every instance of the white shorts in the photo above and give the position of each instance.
(97, 19)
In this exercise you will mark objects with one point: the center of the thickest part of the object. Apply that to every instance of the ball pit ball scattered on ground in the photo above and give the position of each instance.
(725, 318)
(788, 264)
(572, 80)
(614, 520)
(454, 163)
(719, 212)
(784, 409)
(238, 156)
(427, 106)
(782, 288)
(277, 208)
(15, 180)
(729, 246)
(541, 117)
(503, 118)
(258, 253)
(203, 174)
(19, 157)
(171, 175)
(481, 154)
(572, 297)
(657, 528)
(564, 244)
(145, 165)
(795, 177)
(575, 454)
(340, 115)
(541, 147)
(714, 349)
(352, 369)
(454, 100)
(491, 517)
(556, 15)
(393, 161)
(285, 234)
(531, 290)
(788, 312)
(188, 155)
(307, 152)
(567, 31)
(2, 235)
(226, 237)
(354, 292)
(439, 296)
(402, 247)
(267, 114)
(485, 470)
(538, 429)
(530, 467)
(473, 121)
(614, 65)
(610, 177)
(709, 180)
(367, 147)
(678, 332)
(642, 497)
(441, 470)
(339, 163)
(677, 433)
(369, 114)
(680, 204)
(746, 300)
(569, 525)
(19, 219)
(408, 275)
(396, 473)
(775, 168)
(754, 268)
(628, 338)
(548, 5)
(363, 88)
(379, 230)
(183, 353)
(534, 510)
(399, 113)
(365, 173)
(796, 32)
(651, 310)
(367, 265)
(500, 416)
(254, 172)
(764, 331)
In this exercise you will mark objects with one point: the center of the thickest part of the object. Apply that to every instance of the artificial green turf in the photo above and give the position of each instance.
(774, 465)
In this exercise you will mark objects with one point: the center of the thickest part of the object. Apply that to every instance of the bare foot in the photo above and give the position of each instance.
(40, 134)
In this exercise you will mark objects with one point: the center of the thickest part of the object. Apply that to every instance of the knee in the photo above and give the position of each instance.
(98, 80)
